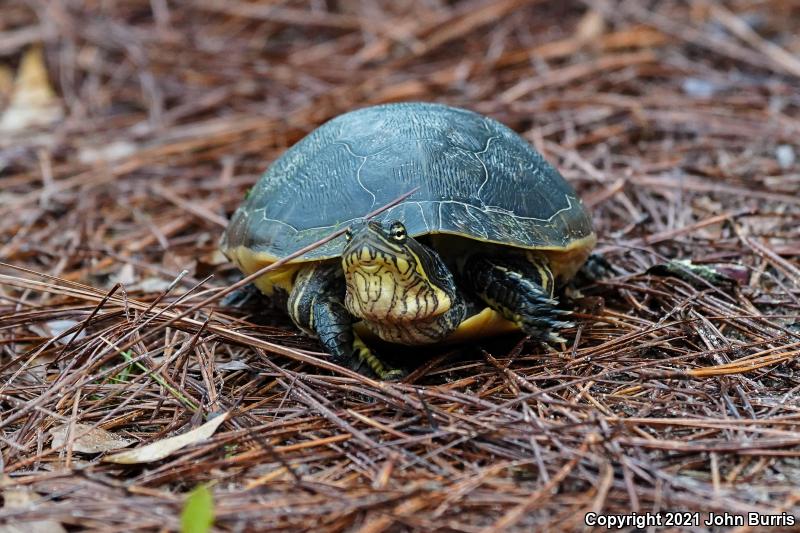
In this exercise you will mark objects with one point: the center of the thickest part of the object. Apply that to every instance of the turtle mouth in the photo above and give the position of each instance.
(369, 261)
(370, 268)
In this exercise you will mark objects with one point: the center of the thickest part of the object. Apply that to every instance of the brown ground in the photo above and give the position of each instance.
(677, 124)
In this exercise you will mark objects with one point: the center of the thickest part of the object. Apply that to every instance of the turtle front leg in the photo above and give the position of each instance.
(316, 306)
(521, 289)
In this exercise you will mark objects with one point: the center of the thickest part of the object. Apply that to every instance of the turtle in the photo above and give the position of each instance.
(480, 247)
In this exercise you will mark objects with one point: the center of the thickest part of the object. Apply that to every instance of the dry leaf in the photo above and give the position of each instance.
(233, 365)
(88, 439)
(33, 101)
(160, 449)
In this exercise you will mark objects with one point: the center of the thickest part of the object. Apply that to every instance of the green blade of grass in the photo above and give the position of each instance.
(198, 511)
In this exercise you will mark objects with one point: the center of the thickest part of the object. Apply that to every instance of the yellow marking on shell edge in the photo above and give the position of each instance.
(487, 323)
(565, 262)
(249, 261)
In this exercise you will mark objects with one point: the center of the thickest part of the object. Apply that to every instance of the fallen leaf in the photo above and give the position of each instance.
(88, 439)
(162, 448)
(33, 100)
(198, 512)
(233, 365)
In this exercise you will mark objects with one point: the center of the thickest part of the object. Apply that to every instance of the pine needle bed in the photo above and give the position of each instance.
(677, 123)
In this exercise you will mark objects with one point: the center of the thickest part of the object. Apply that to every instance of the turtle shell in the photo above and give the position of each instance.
(476, 179)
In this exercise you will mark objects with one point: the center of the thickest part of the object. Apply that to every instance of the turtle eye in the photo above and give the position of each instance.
(398, 232)
(348, 235)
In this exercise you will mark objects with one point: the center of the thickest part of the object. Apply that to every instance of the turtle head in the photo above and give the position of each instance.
(391, 278)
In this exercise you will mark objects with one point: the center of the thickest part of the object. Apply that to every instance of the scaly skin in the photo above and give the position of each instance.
(316, 307)
(401, 289)
(519, 290)
(404, 293)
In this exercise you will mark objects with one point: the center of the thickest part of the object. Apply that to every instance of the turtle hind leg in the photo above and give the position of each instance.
(333, 325)
(520, 289)
(365, 356)
(316, 306)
